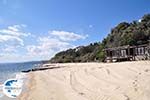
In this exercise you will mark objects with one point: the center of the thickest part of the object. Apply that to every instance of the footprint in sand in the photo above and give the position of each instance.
(127, 97)
(135, 84)
(146, 70)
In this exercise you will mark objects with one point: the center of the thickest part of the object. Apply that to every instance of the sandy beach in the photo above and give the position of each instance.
(90, 81)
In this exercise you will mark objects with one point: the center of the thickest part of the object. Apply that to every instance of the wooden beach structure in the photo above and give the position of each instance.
(127, 53)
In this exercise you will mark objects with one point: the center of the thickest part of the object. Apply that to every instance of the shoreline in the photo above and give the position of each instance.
(28, 84)
(114, 81)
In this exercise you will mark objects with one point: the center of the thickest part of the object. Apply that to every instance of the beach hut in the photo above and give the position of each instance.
(127, 53)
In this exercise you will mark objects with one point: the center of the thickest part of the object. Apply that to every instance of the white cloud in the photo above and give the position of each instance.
(13, 44)
(54, 42)
(9, 49)
(8, 38)
(67, 36)
(7, 57)
(13, 34)
(15, 30)
(47, 47)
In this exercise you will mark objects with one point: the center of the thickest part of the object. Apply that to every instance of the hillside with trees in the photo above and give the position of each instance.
(134, 33)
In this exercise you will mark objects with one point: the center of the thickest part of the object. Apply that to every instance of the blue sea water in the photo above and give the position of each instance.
(9, 70)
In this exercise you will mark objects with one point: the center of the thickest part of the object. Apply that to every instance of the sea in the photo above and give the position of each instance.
(13, 71)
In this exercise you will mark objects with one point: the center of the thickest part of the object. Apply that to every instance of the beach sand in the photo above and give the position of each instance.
(91, 81)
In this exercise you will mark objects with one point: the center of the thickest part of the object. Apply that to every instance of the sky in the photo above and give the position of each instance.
(32, 30)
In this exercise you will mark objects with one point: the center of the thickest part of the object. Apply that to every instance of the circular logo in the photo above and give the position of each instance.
(12, 88)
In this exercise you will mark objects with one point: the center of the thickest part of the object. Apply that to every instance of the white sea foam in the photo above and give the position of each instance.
(21, 77)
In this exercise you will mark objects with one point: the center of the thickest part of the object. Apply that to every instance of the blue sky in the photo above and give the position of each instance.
(38, 29)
